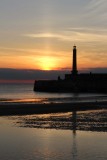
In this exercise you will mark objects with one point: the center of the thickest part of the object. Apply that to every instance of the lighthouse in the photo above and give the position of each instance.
(74, 64)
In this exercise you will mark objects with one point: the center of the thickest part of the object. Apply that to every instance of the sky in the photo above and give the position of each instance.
(40, 34)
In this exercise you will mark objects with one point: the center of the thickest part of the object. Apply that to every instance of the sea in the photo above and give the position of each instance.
(56, 136)
(23, 93)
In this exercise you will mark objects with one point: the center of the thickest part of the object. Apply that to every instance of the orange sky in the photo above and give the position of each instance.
(36, 35)
(53, 60)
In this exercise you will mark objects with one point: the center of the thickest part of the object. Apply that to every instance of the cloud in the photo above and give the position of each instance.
(48, 36)
(19, 49)
(97, 4)
(97, 9)
(44, 35)
(92, 30)
(5, 51)
(30, 74)
(74, 34)
(94, 70)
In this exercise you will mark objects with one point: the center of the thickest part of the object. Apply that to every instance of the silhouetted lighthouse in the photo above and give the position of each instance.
(74, 66)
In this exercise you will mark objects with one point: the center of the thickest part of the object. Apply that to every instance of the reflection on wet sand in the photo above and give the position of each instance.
(74, 121)
(74, 146)
(84, 120)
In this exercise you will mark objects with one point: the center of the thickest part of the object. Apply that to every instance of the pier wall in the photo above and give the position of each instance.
(80, 83)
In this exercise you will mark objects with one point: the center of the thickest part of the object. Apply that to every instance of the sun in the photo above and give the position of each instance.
(47, 63)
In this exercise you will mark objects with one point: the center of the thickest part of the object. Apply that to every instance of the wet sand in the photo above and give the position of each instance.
(25, 109)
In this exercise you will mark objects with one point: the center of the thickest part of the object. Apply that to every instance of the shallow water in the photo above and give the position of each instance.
(23, 93)
(63, 136)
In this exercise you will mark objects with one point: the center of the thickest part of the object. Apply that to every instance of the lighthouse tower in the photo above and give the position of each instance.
(74, 65)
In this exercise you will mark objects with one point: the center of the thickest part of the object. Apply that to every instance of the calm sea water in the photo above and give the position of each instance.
(62, 136)
(23, 93)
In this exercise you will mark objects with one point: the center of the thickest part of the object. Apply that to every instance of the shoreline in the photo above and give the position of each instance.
(26, 109)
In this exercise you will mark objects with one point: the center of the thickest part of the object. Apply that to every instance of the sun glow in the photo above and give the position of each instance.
(47, 63)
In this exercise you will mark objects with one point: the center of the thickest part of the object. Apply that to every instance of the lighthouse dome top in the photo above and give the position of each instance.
(74, 47)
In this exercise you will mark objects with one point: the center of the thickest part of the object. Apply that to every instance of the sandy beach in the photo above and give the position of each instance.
(24, 109)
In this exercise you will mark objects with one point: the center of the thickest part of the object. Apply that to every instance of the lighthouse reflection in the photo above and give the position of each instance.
(74, 148)
(74, 122)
